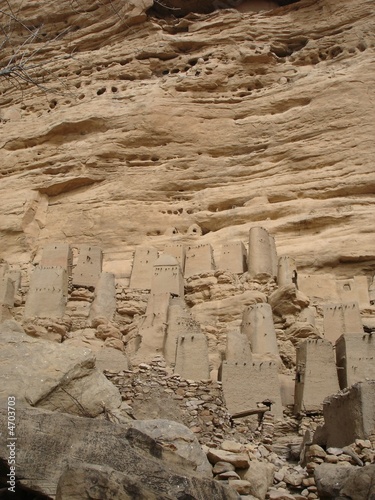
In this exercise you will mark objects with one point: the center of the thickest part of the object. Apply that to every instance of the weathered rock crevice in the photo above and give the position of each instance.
(180, 8)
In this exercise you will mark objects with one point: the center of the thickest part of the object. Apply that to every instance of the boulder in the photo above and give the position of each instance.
(135, 11)
(300, 330)
(242, 486)
(288, 300)
(345, 481)
(75, 457)
(222, 467)
(229, 475)
(228, 309)
(239, 460)
(88, 481)
(107, 357)
(260, 476)
(360, 485)
(157, 403)
(293, 478)
(53, 376)
(331, 478)
(232, 446)
(280, 494)
(10, 326)
(108, 331)
(176, 438)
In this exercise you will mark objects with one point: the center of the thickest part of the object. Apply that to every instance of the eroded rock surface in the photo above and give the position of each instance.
(334, 481)
(220, 120)
(53, 376)
(100, 456)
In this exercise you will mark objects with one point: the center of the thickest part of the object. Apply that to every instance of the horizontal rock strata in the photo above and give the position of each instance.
(222, 120)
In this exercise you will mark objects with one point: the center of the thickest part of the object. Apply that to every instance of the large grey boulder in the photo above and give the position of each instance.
(345, 481)
(53, 376)
(178, 439)
(330, 478)
(106, 358)
(360, 485)
(87, 481)
(87, 456)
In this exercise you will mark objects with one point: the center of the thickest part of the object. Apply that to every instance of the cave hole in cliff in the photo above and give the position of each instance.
(180, 8)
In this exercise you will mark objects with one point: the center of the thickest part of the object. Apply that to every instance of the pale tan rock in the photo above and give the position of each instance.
(110, 358)
(260, 477)
(279, 475)
(308, 481)
(231, 446)
(288, 300)
(242, 486)
(228, 475)
(280, 494)
(54, 376)
(363, 443)
(114, 343)
(221, 467)
(299, 330)
(131, 308)
(39, 331)
(105, 331)
(331, 459)
(178, 439)
(239, 460)
(316, 451)
(330, 479)
(109, 353)
(293, 478)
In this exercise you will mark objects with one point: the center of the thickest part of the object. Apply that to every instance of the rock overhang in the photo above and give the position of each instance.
(180, 8)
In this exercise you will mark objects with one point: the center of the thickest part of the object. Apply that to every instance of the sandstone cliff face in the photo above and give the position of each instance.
(227, 120)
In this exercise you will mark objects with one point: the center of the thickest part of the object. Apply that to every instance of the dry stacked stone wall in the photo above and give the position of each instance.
(201, 402)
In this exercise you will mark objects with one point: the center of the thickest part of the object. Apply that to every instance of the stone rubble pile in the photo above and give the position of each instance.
(255, 470)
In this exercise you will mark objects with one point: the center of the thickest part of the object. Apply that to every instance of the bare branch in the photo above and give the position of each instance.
(14, 17)
(159, 2)
(24, 51)
(78, 404)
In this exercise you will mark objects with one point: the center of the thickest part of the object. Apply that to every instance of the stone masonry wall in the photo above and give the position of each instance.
(201, 403)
